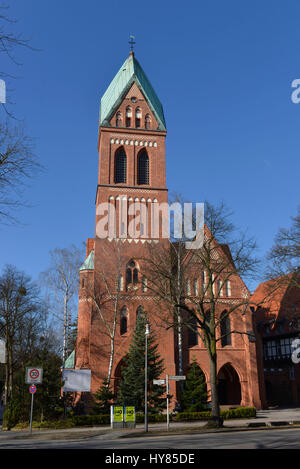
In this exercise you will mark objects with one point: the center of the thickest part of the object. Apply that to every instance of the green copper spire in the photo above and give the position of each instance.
(130, 72)
(88, 263)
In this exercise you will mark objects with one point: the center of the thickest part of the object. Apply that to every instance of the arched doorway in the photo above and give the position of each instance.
(118, 375)
(229, 386)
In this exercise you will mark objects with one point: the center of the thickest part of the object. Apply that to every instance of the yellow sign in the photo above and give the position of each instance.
(118, 414)
(129, 414)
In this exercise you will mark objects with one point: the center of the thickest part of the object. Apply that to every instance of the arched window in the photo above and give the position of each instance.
(225, 329)
(123, 321)
(144, 284)
(203, 280)
(128, 116)
(118, 119)
(138, 116)
(147, 121)
(140, 312)
(132, 274)
(227, 288)
(120, 283)
(120, 166)
(192, 332)
(143, 168)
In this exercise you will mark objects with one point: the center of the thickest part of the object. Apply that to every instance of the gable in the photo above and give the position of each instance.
(130, 73)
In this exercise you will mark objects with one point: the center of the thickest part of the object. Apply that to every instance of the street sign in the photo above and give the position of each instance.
(178, 378)
(32, 389)
(159, 382)
(34, 375)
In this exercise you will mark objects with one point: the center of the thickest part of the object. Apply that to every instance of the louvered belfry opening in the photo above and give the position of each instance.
(120, 166)
(143, 168)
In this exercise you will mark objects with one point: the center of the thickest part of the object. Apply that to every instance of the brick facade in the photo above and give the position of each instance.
(239, 373)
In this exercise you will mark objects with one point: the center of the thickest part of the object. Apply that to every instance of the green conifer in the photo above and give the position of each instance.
(132, 384)
(194, 396)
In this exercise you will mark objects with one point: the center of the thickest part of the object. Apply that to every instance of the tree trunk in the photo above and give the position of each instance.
(216, 420)
(111, 359)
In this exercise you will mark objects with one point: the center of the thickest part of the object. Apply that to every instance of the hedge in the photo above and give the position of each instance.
(95, 420)
(236, 413)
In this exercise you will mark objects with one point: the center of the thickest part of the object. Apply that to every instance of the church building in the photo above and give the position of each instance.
(113, 290)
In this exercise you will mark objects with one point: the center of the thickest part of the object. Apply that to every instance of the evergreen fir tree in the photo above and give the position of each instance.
(132, 385)
(194, 396)
(104, 399)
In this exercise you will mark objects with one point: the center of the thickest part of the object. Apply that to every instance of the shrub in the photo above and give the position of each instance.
(239, 413)
(90, 420)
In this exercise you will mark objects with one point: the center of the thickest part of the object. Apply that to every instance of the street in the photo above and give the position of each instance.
(254, 439)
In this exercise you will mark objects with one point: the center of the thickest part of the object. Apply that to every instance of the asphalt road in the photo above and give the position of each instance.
(254, 439)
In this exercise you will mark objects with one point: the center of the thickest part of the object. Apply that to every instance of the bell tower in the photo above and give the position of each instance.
(131, 145)
(131, 181)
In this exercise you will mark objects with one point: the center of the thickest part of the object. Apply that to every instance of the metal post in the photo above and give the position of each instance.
(147, 332)
(31, 412)
(168, 417)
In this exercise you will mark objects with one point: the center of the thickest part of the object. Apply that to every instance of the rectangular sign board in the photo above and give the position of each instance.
(77, 380)
(178, 378)
(2, 351)
(118, 413)
(129, 414)
(34, 375)
(159, 382)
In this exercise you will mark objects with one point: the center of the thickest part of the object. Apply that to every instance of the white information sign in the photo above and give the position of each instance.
(2, 351)
(77, 380)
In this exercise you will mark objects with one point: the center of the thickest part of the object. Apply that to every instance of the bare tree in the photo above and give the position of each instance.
(104, 291)
(20, 318)
(9, 43)
(17, 164)
(62, 281)
(200, 306)
(284, 257)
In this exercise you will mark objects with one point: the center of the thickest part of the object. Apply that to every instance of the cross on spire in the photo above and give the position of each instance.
(131, 42)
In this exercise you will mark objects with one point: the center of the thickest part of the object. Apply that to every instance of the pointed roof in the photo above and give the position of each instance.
(89, 262)
(70, 361)
(130, 72)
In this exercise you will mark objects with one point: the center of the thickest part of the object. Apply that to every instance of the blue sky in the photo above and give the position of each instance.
(223, 72)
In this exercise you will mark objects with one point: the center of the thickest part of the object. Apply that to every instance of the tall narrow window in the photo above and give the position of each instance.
(138, 116)
(227, 288)
(144, 284)
(203, 280)
(225, 329)
(140, 312)
(147, 121)
(220, 289)
(120, 283)
(192, 332)
(120, 166)
(128, 116)
(123, 321)
(118, 119)
(135, 276)
(143, 168)
(131, 274)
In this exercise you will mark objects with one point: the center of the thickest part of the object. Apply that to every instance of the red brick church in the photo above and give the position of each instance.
(131, 145)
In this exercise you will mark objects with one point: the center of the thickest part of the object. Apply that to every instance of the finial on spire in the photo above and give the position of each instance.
(131, 42)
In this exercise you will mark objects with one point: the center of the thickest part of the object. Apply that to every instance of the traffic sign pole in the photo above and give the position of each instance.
(31, 411)
(168, 417)
(32, 390)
